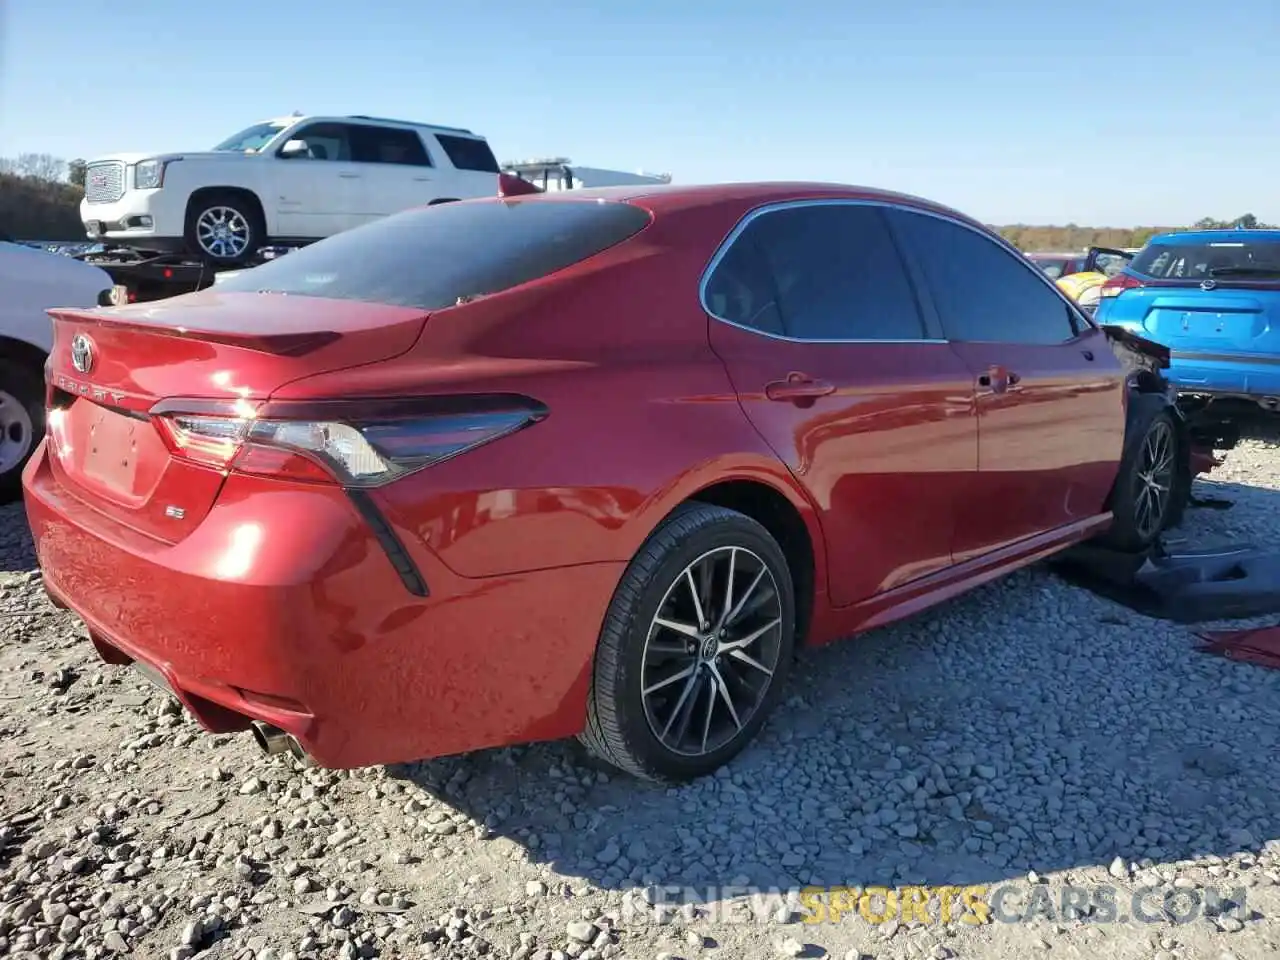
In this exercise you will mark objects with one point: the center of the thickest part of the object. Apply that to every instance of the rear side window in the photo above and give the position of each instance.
(1204, 260)
(468, 153)
(983, 292)
(741, 291)
(822, 271)
(388, 145)
(429, 257)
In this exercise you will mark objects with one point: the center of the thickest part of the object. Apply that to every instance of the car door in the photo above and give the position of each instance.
(1050, 391)
(398, 171)
(1106, 260)
(818, 325)
(321, 188)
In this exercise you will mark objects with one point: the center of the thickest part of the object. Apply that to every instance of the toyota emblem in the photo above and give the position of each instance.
(82, 353)
(1208, 284)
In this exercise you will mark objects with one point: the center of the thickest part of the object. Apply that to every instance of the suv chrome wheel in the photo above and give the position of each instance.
(223, 232)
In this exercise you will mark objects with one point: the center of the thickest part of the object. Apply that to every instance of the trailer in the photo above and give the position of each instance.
(551, 174)
(140, 276)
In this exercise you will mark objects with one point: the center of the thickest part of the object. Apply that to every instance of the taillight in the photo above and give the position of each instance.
(1118, 284)
(355, 444)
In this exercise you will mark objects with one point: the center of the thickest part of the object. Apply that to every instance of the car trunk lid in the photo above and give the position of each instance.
(1244, 320)
(110, 368)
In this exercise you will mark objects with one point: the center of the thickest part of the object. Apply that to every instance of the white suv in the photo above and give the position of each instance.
(284, 181)
(33, 282)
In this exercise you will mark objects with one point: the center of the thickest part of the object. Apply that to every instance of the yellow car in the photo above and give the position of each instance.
(1084, 288)
(1081, 276)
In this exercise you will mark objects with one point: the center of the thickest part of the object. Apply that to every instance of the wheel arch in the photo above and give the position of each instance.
(789, 519)
(23, 352)
(203, 193)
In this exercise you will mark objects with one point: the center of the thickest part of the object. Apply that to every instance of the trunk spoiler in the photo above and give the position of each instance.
(510, 185)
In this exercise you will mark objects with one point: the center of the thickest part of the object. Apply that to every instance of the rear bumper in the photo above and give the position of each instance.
(283, 607)
(1224, 376)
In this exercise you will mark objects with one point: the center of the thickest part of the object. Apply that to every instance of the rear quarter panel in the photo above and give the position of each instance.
(642, 412)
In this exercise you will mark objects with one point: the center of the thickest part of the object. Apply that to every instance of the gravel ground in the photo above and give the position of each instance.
(1029, 735)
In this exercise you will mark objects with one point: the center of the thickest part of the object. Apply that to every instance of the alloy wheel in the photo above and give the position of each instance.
(223, 232)
(712, 651)
(1154, 480)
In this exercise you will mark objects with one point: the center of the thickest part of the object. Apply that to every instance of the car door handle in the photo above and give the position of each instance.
(798, 387)
(422, 179)
(349, 176)
(998, 380)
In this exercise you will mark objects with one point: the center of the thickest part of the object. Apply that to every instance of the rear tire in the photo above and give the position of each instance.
(1150, 481)
(673, 698)
(224, 229)
(21, 423)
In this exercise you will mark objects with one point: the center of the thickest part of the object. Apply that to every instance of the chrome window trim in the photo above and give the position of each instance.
(1087, 325)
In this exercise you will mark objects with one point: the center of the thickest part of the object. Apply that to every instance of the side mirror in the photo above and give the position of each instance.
(294, 148)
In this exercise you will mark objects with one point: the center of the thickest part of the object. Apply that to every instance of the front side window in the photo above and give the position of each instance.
(983, 292)
(824, 271)
(326, 141)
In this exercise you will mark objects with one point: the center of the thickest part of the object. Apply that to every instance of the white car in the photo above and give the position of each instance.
(284, 181)
(31, 282)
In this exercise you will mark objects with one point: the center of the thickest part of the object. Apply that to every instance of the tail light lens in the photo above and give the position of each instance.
(352, 444)
(1118, 284)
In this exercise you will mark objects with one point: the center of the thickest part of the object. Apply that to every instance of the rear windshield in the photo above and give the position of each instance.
(1203, 260)
(431, 257)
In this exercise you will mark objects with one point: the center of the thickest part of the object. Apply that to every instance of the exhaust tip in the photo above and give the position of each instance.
(271, 740)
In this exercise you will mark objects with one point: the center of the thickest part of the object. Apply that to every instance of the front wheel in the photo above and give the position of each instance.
(1147, 487)
(224, 229)
(696, 647)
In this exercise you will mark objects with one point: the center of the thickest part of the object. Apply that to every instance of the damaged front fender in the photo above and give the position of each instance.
(1201, 435)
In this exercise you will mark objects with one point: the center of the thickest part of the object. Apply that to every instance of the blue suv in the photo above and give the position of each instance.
(1213, 298)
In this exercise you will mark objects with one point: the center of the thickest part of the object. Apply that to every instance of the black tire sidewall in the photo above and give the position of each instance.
(727, 529)
(246, 209)
(27, 386)
(1124, 532)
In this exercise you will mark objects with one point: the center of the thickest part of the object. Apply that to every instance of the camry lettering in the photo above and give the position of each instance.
(87, 390)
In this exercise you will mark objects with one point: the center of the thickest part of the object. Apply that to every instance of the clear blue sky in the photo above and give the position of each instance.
(1012, 110)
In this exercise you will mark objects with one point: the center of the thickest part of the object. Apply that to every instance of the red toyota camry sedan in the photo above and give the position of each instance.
(587, 464)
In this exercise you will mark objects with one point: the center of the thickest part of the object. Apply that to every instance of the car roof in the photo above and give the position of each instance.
(283, 122)
(670, 197)
(1217, 236)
